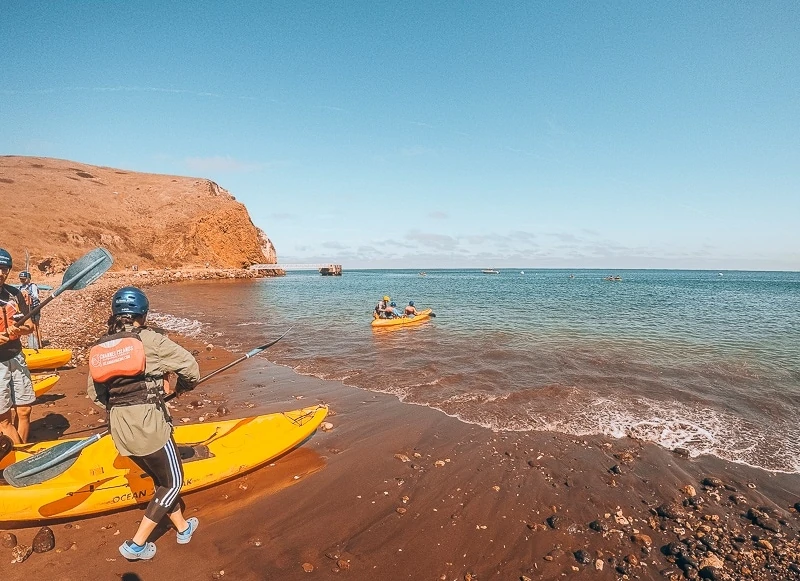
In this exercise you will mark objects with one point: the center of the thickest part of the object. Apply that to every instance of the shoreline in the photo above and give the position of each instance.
(400, 490)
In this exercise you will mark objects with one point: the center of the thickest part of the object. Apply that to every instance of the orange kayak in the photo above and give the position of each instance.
(100, 480)
(42, 382)
(41, 359)
(418, 318)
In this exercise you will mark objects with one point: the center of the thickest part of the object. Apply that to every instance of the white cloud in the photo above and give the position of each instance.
(438, 241)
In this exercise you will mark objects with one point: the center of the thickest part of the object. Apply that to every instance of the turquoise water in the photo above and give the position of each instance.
(693, 359)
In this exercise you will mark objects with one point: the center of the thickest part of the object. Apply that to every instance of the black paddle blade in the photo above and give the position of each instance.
(85, 270)
(47, 463)
(80, 274)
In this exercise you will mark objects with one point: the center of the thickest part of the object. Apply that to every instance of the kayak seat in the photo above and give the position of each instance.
(192, 453)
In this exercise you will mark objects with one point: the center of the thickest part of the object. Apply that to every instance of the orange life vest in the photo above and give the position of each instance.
(10, 309)
(117, 365)
(117, 356)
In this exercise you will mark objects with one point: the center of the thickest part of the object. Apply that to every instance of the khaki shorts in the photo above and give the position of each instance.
(16, 387)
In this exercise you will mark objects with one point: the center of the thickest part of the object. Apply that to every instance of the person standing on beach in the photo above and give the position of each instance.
(32, 291)
(16, 387)
(131, 388)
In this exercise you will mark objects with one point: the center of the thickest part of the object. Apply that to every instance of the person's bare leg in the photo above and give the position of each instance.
(23, 422)
(7, 427)
(146, 527)
(176, 516)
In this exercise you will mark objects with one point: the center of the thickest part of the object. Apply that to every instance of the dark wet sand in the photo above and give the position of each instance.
(397, 491)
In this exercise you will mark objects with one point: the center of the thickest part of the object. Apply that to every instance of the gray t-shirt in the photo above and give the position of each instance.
(141, 429)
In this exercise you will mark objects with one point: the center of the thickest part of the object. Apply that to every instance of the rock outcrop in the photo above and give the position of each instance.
(58, 210)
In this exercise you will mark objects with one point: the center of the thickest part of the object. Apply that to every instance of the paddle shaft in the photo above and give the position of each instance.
(247, 355)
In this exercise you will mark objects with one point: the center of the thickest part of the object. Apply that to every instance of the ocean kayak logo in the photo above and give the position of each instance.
(136, 495)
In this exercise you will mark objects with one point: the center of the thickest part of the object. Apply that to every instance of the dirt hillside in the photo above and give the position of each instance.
(58, 210)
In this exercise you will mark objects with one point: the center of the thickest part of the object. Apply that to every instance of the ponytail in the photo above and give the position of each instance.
(117, 323)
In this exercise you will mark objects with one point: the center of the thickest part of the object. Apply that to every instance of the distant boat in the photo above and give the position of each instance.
(572, 276)
(719, 274)
(522, 272)
(423, 273)
(490, 271)
(614, 278)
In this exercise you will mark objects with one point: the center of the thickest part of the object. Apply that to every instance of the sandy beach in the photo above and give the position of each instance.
(403, 491)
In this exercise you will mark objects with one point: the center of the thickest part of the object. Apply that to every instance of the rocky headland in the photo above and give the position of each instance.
(57, 210)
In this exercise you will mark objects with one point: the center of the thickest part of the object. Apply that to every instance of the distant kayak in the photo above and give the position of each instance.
(490, 271)
(40, 359)
(418, 318)
(42, 382)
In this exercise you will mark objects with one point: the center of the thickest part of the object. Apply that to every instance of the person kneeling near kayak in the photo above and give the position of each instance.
(127, 369)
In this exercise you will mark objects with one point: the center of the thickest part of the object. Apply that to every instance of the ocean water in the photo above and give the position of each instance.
(700, 360)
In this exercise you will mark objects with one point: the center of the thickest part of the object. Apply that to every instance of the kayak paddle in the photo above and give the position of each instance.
(56, 460)
(80, 274)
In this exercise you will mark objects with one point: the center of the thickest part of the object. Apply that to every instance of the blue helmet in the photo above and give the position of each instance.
(393, 304)
(129, 300)
(410, 303)
(5, 259)
(24, 275)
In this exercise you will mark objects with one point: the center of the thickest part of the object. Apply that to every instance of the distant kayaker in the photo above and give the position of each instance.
(32, 291)
(16, 387)
(382, 307)
(131, 387)
(393, 311)
(411, 310)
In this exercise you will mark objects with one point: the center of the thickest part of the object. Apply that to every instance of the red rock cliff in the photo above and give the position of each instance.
(58, 210)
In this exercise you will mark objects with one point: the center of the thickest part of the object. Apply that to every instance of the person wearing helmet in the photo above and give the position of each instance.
(393, 311)
(381, 308)
(16, 388)
(131, 388)
(411, 310)
(32, 294)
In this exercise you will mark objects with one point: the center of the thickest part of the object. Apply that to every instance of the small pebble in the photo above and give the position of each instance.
(20, 553)
(8, 540)
(44, 540)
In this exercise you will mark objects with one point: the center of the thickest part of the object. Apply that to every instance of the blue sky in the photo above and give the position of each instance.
(438, 134)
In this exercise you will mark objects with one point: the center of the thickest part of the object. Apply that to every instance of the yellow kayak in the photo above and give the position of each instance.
(38, 359)
(418, 318)
(101, 480)
(42, 382)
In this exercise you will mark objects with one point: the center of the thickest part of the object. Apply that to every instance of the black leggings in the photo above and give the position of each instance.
(165, 468)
